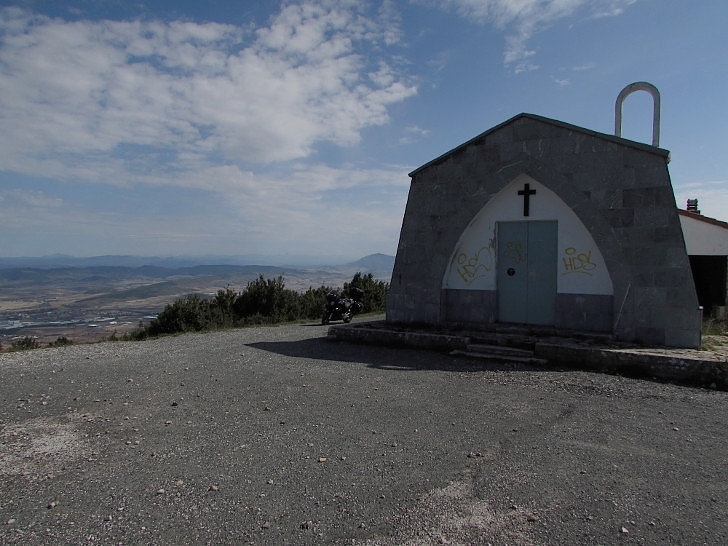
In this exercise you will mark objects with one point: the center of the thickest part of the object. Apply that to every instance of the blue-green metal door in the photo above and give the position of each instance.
(526, 271)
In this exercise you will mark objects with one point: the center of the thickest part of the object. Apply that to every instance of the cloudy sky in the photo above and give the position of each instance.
(256, 127)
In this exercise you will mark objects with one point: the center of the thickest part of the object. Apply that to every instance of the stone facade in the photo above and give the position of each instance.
(619, 256)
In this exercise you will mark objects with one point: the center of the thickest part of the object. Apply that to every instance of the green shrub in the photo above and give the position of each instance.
(222, 313)
(60, 342)
(375, 292)
(24, 344)
(312, 302)
(189, 314)
(263, 302)
(268, 298)
(715, 327)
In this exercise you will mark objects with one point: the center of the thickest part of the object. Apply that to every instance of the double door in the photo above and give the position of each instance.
(526, 271)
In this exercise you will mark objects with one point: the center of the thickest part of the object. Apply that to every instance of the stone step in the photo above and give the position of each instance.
(504, 340)
(500, 354)
(498, 349)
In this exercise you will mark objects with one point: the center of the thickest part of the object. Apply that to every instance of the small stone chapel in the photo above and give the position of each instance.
(541, 223)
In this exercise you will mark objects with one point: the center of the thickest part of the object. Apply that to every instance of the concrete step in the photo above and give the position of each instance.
(498, 349)
(518, 341)
(500, 353)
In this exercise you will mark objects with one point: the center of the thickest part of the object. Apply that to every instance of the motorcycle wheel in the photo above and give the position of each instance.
(347, 317)
(326, 318)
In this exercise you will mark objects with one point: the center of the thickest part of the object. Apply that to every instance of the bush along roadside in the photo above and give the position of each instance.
(28, 343)
(262, 302)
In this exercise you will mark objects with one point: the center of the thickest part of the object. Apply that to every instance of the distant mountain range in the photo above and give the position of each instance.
(373, 262)
(18, 273)
(368, 264)
(58, 296)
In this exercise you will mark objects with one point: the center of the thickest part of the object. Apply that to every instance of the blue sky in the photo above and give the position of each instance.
(176, 128)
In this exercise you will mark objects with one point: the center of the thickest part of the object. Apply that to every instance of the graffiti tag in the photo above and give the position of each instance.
(514, 251)
(470, 267)
(578, 262)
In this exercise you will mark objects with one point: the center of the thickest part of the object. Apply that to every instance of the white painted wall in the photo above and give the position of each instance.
(581, 268)
(704, 238)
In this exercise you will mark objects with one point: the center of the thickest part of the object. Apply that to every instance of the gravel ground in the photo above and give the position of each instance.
(282, 436)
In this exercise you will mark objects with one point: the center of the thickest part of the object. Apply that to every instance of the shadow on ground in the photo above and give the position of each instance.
(410, 359)
(388, 358)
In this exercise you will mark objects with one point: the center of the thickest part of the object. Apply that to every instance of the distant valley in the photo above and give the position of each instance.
(88, 299)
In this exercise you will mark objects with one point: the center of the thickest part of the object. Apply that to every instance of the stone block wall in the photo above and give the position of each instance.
(620, 190)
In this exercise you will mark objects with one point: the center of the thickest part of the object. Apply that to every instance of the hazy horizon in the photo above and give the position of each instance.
(205, 259)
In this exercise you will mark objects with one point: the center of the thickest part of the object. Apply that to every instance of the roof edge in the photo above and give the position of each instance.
(701, 218)
(623, 141)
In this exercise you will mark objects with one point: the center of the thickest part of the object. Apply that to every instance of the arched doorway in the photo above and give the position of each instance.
(527, 258)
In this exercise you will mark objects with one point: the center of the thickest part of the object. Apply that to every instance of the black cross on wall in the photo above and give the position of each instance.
(526, 192)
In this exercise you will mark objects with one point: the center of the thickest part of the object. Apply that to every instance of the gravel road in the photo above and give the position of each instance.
(282, 436)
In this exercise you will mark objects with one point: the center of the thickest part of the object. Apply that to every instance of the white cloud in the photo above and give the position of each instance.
(522, 19)
(98, 94)
(315, 209)
(36, 199)
(224, 119)
(413, 133)
(584, 66)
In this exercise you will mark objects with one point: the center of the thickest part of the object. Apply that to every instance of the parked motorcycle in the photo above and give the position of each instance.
(341, 308)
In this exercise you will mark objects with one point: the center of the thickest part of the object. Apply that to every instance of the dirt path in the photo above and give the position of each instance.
(280, 436)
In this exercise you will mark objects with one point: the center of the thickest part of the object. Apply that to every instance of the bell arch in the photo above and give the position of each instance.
(628, 90)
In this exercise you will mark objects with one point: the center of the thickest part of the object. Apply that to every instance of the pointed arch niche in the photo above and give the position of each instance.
(584, 287)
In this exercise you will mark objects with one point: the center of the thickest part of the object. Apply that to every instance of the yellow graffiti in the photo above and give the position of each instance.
(514, 251)
(578, 262)
(477, 265)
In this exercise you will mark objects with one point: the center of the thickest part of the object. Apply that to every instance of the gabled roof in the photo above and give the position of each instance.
(567, 126)
(699, 217)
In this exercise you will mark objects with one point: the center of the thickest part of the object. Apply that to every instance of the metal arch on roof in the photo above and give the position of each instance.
(631, 88)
